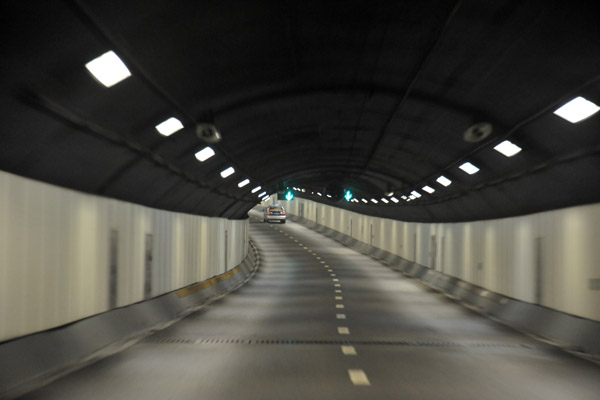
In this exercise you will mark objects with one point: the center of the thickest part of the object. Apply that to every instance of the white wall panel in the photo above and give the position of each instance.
(555, 254)
(55, 246)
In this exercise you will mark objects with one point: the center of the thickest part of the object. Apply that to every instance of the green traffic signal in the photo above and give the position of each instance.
(289, 196)
(348, 196)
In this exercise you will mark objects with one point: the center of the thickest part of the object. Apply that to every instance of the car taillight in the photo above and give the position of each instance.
(282, 213)
(269, 213)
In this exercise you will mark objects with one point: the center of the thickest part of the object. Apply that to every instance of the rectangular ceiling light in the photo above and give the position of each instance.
(416, 194)
(205, 154)
(577, 110)
(319, 194)
(384, 200)
(267, 197)
(374, 201)
(395, 200)
(108, 69)
(243, 183)
(262, 194)
(428, 189)
(442, 180)
(169, 126)
(227, 172)
(411, 197)
(256, 189)
(364, 201)
(507, 148)
(469, 168)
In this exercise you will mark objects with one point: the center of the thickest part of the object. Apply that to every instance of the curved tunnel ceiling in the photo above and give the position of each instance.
(325, 96)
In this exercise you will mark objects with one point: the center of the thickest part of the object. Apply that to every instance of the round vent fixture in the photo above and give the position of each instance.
(208, 132)
(478, 132)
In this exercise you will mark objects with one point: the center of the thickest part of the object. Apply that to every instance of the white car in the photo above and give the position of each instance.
(274, 213)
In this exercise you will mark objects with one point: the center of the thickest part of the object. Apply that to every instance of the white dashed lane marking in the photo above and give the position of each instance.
(339, 298)
(340, 316)
(342, 330)
(348, 350)
(339, 306)
(358, 377)
(337, 284)
(336, 280)
(338, 291)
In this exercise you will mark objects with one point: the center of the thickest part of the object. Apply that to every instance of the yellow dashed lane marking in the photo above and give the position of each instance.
(358, 377)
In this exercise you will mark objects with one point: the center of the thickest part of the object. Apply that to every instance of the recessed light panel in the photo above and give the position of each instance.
(469, 168)
(384, 200)
(227, 172)
(442, 180)
(577, 110)
(428, 189)
(416, 194)
(205, 154)
(108, 69)
(374, 201)
(169, 126)
(364, 201)
(256, 189)
(244, 183)
(395, 200)
(262, 194)
(507, 148)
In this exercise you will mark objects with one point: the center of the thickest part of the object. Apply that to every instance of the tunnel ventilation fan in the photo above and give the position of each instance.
(478, 132)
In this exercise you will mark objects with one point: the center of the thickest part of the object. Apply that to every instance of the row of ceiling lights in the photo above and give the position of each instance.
(109, 70)
(574, 111)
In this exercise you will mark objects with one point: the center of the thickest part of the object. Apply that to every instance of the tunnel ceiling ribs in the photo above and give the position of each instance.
(326, 96)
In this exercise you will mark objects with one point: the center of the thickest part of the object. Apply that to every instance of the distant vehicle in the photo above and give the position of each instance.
(274, 213)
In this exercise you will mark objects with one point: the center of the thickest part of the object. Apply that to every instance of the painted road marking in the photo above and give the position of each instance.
(358, 377)
(336, 280)
(349, 350)
(339, 298)
(340, 316)
(337, 284)
(338, 291)
(326, 266)
(342, 330)
(305, 247)
(339, 306)
(322, 262)
(333, 274)
(318, 258)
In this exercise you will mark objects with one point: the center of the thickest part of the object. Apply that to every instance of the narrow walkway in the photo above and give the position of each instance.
(320, 321)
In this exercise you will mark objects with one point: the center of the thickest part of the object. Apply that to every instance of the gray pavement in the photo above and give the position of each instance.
(285, 335)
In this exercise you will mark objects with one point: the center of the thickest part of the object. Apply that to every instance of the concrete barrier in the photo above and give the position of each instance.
(32, 361)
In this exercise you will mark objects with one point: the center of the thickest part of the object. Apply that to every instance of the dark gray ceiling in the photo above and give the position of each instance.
(323, 95)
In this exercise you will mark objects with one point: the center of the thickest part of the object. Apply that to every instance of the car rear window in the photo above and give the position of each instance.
(276, 209)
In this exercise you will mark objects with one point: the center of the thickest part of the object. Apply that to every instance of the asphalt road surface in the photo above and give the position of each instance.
(320, 321)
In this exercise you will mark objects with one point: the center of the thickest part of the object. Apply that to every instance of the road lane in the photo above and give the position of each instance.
(286, 334)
